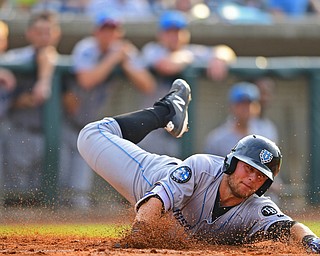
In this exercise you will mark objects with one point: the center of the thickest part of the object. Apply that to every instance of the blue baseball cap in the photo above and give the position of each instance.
(108, 18)
(243, 91)
(173, 19)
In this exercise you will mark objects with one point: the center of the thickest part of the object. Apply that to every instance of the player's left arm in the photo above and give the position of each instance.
(300, 233)
(149, 212)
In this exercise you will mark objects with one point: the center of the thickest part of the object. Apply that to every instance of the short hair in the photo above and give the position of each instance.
(44, 15)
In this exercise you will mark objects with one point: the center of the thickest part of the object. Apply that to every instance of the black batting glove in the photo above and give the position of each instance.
(312, 243)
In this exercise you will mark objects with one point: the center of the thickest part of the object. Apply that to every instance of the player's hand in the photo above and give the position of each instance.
(312, 244)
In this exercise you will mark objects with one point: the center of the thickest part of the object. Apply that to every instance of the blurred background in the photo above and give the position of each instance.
(277, 40)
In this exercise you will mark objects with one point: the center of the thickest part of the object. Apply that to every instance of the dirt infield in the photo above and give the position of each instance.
(41, 245)
(36, 244)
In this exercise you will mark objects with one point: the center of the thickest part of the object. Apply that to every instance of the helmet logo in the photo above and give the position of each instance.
(265, 156)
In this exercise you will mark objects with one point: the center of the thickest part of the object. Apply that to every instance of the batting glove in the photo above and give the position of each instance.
(312, 243)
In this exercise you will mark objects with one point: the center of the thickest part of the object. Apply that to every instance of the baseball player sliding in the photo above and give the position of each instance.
(216, 199)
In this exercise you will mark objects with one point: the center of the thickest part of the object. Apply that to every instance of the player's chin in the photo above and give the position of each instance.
(240, 193)
(245, 191)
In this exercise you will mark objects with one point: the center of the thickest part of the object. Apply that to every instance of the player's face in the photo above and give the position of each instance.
(245, 180)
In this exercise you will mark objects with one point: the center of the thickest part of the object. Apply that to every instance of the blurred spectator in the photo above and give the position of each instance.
(157, 6)
(7, 79)
(4, 33)
(183, 5)
(25, 139)
(25, 5)
(258, 4)
(261, 122)
(288, 8)
(62, 6)
(242, 11)
(168, 57)
(129, 9)
(314, 7)
(243, 105)
(3, 3)
(266, 87)
(7, 85)
(94, 60)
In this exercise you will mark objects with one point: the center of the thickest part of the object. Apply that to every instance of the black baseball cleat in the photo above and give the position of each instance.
(178, 100)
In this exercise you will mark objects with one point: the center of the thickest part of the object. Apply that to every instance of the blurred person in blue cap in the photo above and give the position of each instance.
(173, 19)
(243, 102)
(167, 57)
(94, 60)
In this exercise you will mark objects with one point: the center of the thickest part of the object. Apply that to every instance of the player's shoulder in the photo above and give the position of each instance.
(205, 163)
(264, 207)
(206, 158)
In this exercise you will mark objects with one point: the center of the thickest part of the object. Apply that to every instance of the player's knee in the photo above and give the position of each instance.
(83, 138)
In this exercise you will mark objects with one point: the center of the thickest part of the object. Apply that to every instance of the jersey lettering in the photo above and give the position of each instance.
(178, 215)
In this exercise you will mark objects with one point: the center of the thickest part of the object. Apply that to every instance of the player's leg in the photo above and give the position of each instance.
(108, 147)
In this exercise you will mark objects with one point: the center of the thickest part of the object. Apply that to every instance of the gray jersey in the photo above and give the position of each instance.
(24, 118)
(188, 188)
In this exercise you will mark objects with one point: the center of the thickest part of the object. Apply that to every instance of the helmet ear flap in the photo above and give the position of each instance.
(264, 187)
(230, 166)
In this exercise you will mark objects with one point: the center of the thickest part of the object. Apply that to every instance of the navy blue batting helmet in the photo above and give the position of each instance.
(260, 153)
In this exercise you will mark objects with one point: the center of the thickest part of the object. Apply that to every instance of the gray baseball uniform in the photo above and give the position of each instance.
(24, 166)
(188, 188)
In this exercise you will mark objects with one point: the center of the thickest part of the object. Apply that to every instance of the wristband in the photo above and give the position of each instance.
(306, 238)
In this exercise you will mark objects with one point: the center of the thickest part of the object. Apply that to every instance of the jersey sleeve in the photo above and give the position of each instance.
(263, 214)
(84, 55)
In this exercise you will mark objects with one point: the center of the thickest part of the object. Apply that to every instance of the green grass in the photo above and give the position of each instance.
(86, 230)
(314, 226)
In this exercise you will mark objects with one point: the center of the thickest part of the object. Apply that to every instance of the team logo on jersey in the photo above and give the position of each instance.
(268, 211)
(265, 156)
(181, 175)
